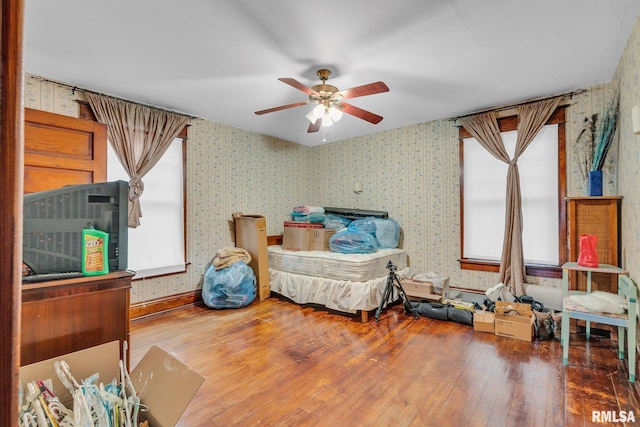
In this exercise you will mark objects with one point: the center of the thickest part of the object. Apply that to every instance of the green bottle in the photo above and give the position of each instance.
(95, 259)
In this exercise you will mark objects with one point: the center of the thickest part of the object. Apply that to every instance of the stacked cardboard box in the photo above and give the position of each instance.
(514, 320)
(306, 236)
(423, 289)
(484, 321)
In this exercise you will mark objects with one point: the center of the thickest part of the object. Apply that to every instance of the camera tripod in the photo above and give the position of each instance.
(393, 281)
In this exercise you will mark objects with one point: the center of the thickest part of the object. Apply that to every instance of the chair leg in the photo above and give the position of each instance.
(621, 331)
(631, 342)
(565, 337)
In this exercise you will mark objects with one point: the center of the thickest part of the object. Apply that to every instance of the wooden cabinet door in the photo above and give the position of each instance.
(61, 150)
(599, 216)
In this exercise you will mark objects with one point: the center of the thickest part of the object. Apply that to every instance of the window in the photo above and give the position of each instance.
(542, 185)
(156, 247)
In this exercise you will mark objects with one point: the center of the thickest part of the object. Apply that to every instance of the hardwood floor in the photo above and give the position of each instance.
(275, 363)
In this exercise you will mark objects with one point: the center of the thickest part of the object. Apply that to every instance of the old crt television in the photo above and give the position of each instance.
(53, 221)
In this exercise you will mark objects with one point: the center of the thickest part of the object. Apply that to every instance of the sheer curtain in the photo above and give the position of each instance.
(139, 135)
(484, 127)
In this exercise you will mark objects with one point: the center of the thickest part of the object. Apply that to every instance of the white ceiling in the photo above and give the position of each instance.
(220, 59)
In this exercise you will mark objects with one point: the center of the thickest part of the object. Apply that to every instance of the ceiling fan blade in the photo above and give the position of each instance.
(296, 84)
(360, 113)
(370, 89)
(314, 127)
(282, 107)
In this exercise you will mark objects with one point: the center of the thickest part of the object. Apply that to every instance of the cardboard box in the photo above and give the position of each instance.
(297, 235)
(484, 321)
(170, 384)
(251, 235)
(417, 288)
(319, 239)
(445, 286)
(514, 320)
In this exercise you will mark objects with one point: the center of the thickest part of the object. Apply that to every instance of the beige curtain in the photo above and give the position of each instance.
(139, 135)
(484, 127)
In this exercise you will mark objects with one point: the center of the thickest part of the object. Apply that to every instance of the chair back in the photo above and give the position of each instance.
(627, 288)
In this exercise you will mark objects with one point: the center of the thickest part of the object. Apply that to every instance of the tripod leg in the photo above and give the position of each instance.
(385, 297)
(408, 308)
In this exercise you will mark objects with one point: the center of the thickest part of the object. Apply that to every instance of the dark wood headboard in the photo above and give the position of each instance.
(274, 240)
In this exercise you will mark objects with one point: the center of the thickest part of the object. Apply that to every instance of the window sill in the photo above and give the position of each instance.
(538, 270)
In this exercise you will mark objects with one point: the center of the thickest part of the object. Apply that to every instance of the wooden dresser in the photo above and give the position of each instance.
(61, 316)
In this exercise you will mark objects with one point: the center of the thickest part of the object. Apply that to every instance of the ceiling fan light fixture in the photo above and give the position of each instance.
(327, 101)
(334, 113)
(311, 116)
(318, 111)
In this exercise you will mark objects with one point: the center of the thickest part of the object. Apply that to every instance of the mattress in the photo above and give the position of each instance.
(337, 266)
(341, 295)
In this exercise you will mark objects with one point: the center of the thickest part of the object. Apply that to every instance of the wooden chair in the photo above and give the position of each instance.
(627, 321)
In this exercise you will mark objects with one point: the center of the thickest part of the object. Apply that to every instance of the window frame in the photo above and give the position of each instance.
(510, 123)
(86, 113)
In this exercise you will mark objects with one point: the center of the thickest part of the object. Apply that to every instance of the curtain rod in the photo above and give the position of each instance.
(79, 89)
(510, 106)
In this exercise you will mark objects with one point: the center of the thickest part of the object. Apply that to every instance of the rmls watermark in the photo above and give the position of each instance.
(613, 417)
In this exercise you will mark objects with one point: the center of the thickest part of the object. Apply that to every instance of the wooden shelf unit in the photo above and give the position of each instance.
(599, 216)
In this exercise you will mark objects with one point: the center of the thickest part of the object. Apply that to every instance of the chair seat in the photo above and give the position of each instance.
(572, 305)
(626, 322)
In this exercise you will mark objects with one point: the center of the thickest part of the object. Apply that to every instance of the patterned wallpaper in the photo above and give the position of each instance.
(628, 79)
(410, 172)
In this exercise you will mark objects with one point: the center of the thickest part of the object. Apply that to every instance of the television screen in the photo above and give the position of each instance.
(53, 221)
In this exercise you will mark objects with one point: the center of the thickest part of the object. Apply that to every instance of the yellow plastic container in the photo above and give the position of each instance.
(95, 259)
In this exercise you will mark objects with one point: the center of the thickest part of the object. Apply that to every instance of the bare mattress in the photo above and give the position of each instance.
(334, 265)
(343, 282)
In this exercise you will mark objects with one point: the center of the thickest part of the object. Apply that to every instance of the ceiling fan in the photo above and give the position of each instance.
(328, 98)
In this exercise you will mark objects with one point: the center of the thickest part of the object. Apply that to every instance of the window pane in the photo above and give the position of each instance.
(485, 180)
(538, 168)
(485, 191)
(157, 245)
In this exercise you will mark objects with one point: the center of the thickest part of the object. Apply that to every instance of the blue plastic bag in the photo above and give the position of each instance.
(387, 232)
(366, 225)
(350, 241)
(336, 221)
(231, 287)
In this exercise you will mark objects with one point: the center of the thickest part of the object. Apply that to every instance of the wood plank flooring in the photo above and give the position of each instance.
(275, 363)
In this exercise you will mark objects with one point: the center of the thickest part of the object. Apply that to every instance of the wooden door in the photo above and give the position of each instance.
(61, 150)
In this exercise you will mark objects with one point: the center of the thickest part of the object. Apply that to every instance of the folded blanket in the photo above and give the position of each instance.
(309, 209)
(315, 218)
(229, 255)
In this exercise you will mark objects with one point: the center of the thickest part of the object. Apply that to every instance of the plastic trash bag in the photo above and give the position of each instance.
(348, 241)
(336, 221)
(231, 287)
(366, 225)
(387, 232)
